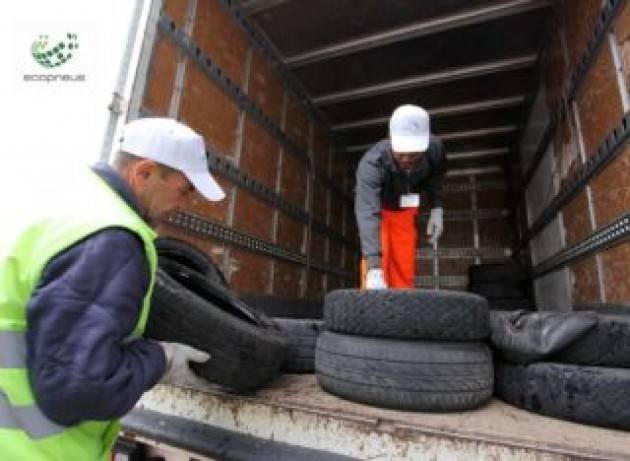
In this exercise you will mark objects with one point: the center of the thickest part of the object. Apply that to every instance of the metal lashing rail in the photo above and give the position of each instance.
(479, 186)
(218, 163)
(202, 226)
(609, 13)
(614, 234)
(468, 215)
(258, 189)
(428, 253)
(609, 149)
(452, 281)
(291, 82)
(259, 41)
(240, 98)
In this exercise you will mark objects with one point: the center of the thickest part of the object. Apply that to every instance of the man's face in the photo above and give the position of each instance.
(407, 160)
(160, 190)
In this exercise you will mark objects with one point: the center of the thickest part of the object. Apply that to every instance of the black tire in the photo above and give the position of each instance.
(511, 270)
(588, 395)
(245, 356)
(215, 293)
(172, 249)
(291, 308)
(583, 338)
(405, 375)
(301, 335)
(606, 344)
(511, 304)
(408, 314)
(499, 290)
(523, 337)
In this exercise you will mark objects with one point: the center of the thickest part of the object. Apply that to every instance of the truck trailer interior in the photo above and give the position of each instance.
(530, 98)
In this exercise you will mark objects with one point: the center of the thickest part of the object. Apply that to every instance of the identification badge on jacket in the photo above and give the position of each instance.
(410, 201)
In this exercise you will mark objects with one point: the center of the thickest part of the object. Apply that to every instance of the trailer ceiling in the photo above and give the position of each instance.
(470, 63)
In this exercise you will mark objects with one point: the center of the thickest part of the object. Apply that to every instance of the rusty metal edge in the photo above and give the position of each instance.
(212, 441)
(394, 426)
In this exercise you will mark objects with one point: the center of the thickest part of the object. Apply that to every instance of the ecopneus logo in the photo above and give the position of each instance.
(51, 54)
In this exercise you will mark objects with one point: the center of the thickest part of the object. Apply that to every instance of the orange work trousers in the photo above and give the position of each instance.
(399, 239)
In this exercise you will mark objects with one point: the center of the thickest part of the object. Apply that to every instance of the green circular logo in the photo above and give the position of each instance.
(49, 54)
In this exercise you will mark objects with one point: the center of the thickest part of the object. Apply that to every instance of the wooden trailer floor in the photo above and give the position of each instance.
(294, 410)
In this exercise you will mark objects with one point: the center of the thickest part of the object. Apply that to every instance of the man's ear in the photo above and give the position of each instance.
(141, 172)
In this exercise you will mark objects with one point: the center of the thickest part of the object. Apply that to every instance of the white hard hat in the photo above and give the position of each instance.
(173, 144)
(409, 129)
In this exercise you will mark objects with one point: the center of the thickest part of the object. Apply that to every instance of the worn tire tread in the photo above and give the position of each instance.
(607, 344)
(598, 396)
(408, 314)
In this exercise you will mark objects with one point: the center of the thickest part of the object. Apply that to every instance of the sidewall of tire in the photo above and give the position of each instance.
(405, 375)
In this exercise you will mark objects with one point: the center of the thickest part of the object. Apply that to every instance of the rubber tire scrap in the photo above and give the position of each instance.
(216, 293)
(408, 314)
(583, 338)
(172, 249)
(405, 375)
(590, 395)
(607, 344)
(301, 335)
(245, 355)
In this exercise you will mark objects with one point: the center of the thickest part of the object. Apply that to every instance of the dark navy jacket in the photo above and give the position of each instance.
(85, 306)
(380, 183)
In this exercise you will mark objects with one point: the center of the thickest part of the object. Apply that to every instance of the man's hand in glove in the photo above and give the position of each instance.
(375, 280)
(177, 358)
(436, 225)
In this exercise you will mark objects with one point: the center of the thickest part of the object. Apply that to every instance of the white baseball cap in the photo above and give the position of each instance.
(173, 144)
(409, 129)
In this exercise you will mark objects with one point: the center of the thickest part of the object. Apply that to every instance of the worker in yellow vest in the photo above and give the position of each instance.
(77, 267)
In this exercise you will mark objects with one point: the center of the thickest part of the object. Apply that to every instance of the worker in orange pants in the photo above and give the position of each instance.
(398, 247)
(390, 179)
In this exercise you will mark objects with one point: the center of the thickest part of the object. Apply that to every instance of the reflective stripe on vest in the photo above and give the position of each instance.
(12, 350)
(28, 418)
(42, 228)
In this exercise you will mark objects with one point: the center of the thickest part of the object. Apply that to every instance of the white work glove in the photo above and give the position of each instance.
(177, 358)
(375, 280)
(436, 225)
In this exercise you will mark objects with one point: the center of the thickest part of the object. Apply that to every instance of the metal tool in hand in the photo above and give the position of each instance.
(436, 265)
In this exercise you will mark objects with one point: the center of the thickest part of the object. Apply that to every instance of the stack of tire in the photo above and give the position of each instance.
(505, 285)
(416, 350)
(300, 322)
(573, 366)
(192, 305)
